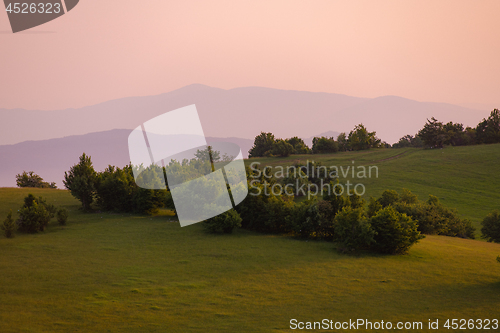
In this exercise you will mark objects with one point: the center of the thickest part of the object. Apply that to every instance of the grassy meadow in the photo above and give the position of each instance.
(106, 272)
(464, 178)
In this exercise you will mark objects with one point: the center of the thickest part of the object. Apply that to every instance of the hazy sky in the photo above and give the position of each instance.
(442, 51)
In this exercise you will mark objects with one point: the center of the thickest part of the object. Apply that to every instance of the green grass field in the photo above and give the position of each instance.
(119, 273)
(464, 178)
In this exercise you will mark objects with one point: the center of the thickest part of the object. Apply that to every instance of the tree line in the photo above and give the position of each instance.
(436, 134)
(266, 145)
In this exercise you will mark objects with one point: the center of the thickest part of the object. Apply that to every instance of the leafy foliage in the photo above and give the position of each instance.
(223, 223)
(432, 217)
(9, 226)
(298, 145)
(361, 139)
(324, 145)
(116, 190)
(62, 216)
(282, 148)
(435, 134)
(409, 141)
(31, 179)
(81, 180)
(35, 214)
(263, 144)
(395, 232)
(491, 227)
(353, 230)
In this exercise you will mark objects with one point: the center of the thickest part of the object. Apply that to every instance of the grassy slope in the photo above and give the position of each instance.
(465, 178)
(119, 273)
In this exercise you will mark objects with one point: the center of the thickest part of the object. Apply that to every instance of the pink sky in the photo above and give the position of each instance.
(441, 51)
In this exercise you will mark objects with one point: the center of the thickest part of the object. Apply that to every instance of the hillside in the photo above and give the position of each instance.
(111, 272)
(464, 178)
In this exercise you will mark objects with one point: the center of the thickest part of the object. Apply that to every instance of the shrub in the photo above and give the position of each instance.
(223, 223)
(116, 190)
(327, 216)
(353, 230)
(408, 197)
(34, 215)
(435, 219)
(395, 233)
(306, 220)
(388, 197)
(62, 216)
(491, 227)
(373, 207)
(9, 226)
(337, 202)
(31, 179)
(295, 181)
(431, 216)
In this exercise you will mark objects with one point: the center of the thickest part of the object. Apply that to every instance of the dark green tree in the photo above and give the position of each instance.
(353, 230)
(298, 145)
(35, 214)
(324, 145)
(263, 143)
(282, 148)
(491, 227)
(360, 139)
(31, 179)
(432, 134)
(488, 131)
(223, 223)
(343, 142)
(395, 233)
(81, 181)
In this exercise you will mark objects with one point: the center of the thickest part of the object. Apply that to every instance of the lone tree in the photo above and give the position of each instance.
(81, 181)
(31, 179)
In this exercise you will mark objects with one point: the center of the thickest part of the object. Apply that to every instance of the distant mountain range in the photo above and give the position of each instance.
(51, 158)
(240, 112)
(50, 142)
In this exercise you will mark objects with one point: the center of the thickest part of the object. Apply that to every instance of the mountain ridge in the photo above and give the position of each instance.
(240, 112)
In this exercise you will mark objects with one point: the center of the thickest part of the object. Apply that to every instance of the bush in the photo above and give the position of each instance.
(294, 181)
(431, 216)
(353, 230)
(9, 226)
(395, 233)
(35, 214)
(282, 148)
(62, 216)
(491, 227)
(388, 197)
(31, 179)
(373, 207)
(305, 220)
(223, 223)
(116, 190)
